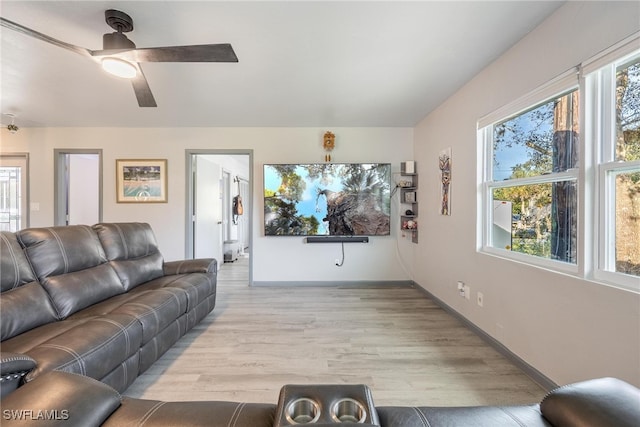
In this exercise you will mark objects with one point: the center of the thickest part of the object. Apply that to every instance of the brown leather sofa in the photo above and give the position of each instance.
(97, 301)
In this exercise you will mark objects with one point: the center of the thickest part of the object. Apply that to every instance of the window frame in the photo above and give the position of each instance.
(564, 84)
(601, 83)
(594, 176)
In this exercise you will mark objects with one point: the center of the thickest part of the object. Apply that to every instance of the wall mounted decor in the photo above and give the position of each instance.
(328, 143)
(141, 181)
(444, 160)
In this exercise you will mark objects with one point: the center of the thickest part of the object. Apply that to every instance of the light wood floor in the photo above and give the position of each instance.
(394, 339)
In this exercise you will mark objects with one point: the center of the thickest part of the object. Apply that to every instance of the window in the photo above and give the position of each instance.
(618, 88)
(531, 180)
(13, 192)
(553, 197)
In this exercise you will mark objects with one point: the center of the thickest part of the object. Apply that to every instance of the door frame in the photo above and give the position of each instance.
(59, 189)
(189, 209)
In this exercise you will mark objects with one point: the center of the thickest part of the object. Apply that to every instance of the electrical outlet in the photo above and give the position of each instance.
(480, 299)
(461, 288)
(467, 292)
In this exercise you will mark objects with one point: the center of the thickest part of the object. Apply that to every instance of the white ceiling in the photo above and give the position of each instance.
(301, 63)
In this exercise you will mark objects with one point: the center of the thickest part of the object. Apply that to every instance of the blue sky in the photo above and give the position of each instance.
(307, 206)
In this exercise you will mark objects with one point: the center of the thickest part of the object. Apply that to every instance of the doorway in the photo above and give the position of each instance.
(14, 193)
(217, 180)
(78, 187)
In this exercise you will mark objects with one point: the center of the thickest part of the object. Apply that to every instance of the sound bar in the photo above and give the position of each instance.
(337, 239)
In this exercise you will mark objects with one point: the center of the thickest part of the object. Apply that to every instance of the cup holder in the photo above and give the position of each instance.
(348, 411)
(303, 411)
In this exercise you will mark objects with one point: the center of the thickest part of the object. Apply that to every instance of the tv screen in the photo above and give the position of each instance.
(327, 199)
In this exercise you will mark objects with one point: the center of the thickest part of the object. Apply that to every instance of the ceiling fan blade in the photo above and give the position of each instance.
(37, 35)
(195, 53)
(142, 90)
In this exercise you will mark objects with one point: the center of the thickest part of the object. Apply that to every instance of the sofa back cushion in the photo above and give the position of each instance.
(132, 251)
(14, 265)
(24, 304)
(71, 265)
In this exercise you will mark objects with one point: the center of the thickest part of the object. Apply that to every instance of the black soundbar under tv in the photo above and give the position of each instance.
(337, 239)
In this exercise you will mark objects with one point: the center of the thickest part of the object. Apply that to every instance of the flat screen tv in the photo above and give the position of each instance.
(327, 199)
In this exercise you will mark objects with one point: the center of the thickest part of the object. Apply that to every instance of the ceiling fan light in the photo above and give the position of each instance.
(119, 67)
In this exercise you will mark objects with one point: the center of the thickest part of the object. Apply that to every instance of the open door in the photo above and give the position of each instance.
(78, 188)
(214, 179)
(207, 203)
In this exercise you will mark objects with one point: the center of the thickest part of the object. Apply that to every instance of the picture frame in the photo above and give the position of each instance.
(141, 180)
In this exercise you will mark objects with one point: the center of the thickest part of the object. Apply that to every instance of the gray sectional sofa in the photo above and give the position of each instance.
(97, 301)
(84, 310)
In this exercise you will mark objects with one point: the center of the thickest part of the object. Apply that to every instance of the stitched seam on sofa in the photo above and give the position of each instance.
(96, 242)
(422, 417)
(90, 351)
(75, 355)
(555, 390)
(185, 290)
(150, 413)
(150, 233)
(512, 416)
(236, 415)
(14, 259)
(152, 311)
(172, 295)
(179, 267)
(124, 242)
(125, 331)
(15, 358)
(63, 252)
(93, 380)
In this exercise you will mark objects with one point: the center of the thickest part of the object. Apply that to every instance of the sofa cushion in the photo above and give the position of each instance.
(93, 347)
(132, 250)
(154, 310)
(14, 265)
(23, 309)
(74, 291)
(60, 250)
(71, 265)
(24, 304)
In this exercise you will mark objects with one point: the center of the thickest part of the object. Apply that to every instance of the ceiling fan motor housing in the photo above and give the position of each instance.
(122, 23)
(117, 41)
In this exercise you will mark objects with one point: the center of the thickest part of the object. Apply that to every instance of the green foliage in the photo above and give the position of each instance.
(281, 214)
(284, 219)
(628, 113)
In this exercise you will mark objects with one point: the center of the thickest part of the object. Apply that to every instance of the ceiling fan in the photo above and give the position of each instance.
(120, 56)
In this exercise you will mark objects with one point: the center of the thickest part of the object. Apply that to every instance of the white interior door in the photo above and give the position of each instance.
(207, 231)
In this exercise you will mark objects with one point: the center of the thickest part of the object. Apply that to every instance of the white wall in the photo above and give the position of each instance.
(567, 328)
(275, 259)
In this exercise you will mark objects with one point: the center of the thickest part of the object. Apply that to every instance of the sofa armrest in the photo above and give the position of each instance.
(201, 265)
(60, 398)
(602, 402)
(13, 367)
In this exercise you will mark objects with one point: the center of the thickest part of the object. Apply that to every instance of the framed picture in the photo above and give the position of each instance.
(141, 181)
